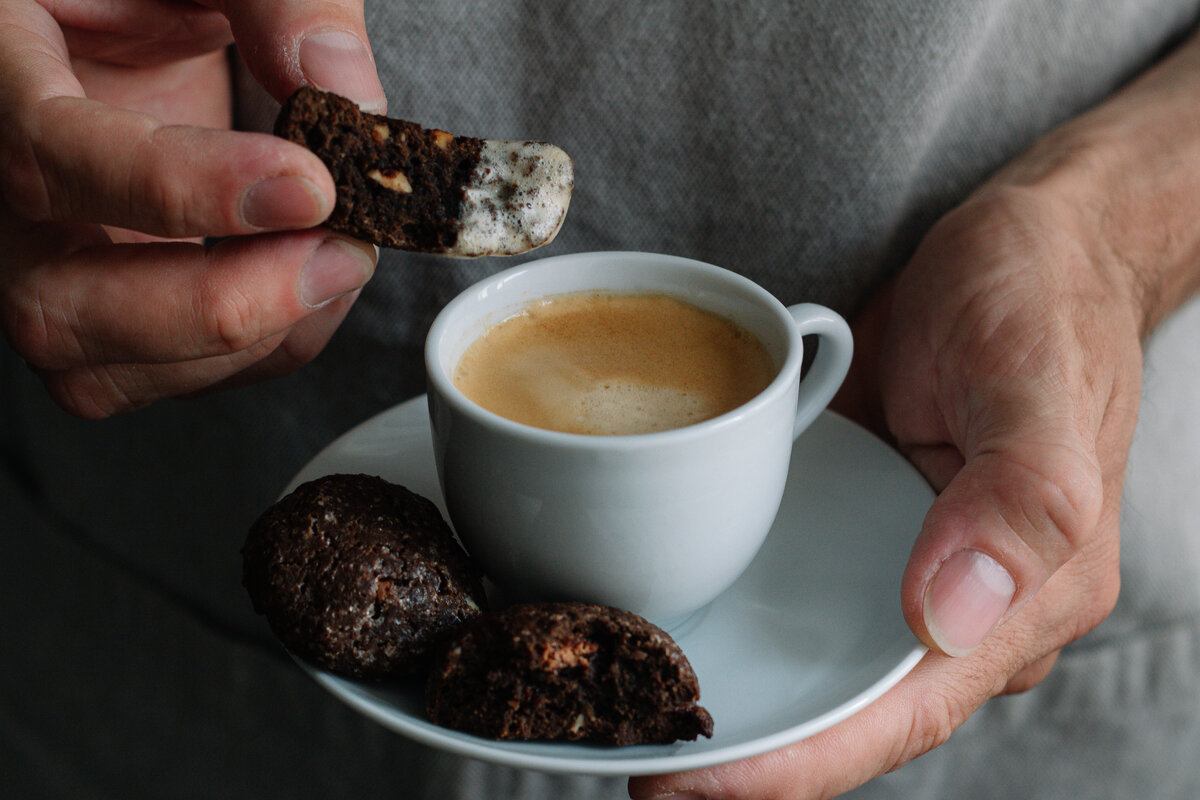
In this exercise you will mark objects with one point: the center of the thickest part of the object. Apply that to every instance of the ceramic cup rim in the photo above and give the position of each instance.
(447, 323)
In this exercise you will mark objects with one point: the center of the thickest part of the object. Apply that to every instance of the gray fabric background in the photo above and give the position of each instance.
(806, 144)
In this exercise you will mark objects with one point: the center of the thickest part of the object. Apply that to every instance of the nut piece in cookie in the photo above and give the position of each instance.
(359, 576)
(566, 671)
(400, 185)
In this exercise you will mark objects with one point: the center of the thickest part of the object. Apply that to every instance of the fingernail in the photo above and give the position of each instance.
(336, 267)
(966, 600)
(340, 62)
(283, 203)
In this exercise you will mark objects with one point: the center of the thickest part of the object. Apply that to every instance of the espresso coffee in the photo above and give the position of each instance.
(613, 365)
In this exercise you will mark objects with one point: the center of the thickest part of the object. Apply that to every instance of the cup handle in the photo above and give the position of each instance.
(831, 364)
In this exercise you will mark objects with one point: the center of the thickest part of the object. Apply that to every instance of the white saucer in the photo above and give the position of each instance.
(810, 634)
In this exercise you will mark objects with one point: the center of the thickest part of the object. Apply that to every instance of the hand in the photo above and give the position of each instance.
(1005, 362)
(115, 157)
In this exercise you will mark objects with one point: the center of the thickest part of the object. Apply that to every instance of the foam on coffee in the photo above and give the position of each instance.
(613, 364)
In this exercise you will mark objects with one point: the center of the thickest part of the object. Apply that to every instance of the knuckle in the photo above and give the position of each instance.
(33, 333)
(234, 321)
(90, 393)
(1054, 501)
(934, 719)
(159, 190)
(163, 198)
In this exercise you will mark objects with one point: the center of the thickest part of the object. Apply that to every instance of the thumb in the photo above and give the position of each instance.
(1017, 510)
(294, 43)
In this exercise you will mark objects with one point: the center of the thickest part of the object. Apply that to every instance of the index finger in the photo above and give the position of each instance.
(915, 716)
(68, 158)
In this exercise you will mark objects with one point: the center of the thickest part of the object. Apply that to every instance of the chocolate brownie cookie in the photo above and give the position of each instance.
(567, 671)
(400, 185)
(359, 576)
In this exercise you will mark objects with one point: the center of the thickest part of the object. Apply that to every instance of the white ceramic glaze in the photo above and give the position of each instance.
(808, 635)
(657, 523)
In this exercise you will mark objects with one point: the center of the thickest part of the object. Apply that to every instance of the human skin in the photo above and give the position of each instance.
(117, 157)
(1005, 362)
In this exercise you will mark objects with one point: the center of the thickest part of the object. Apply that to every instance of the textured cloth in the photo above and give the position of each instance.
(808, 145)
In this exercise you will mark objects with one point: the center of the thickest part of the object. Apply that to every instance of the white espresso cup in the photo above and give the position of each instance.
(656, 523)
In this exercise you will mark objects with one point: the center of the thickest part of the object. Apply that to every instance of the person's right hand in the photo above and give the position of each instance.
(116, 158)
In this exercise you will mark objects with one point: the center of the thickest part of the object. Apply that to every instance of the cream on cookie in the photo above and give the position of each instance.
(404, 186)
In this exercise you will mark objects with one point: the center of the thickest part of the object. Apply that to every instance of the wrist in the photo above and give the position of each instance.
(1048, 222)
(1124, 179)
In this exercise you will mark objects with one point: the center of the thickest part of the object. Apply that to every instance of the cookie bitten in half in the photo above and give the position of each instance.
(404, 186)
(566, 671)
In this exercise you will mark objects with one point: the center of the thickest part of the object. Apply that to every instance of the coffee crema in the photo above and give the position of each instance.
(611, 364)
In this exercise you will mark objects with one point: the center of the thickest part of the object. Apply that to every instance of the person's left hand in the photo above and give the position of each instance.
(1005, 362)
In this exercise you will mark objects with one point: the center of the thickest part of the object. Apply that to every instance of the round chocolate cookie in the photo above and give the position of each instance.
(569, 671)
(359, 576)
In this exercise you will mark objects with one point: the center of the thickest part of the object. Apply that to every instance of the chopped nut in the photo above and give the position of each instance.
(442, 139)
(556, 655)
(381, 133)
(393, 179)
